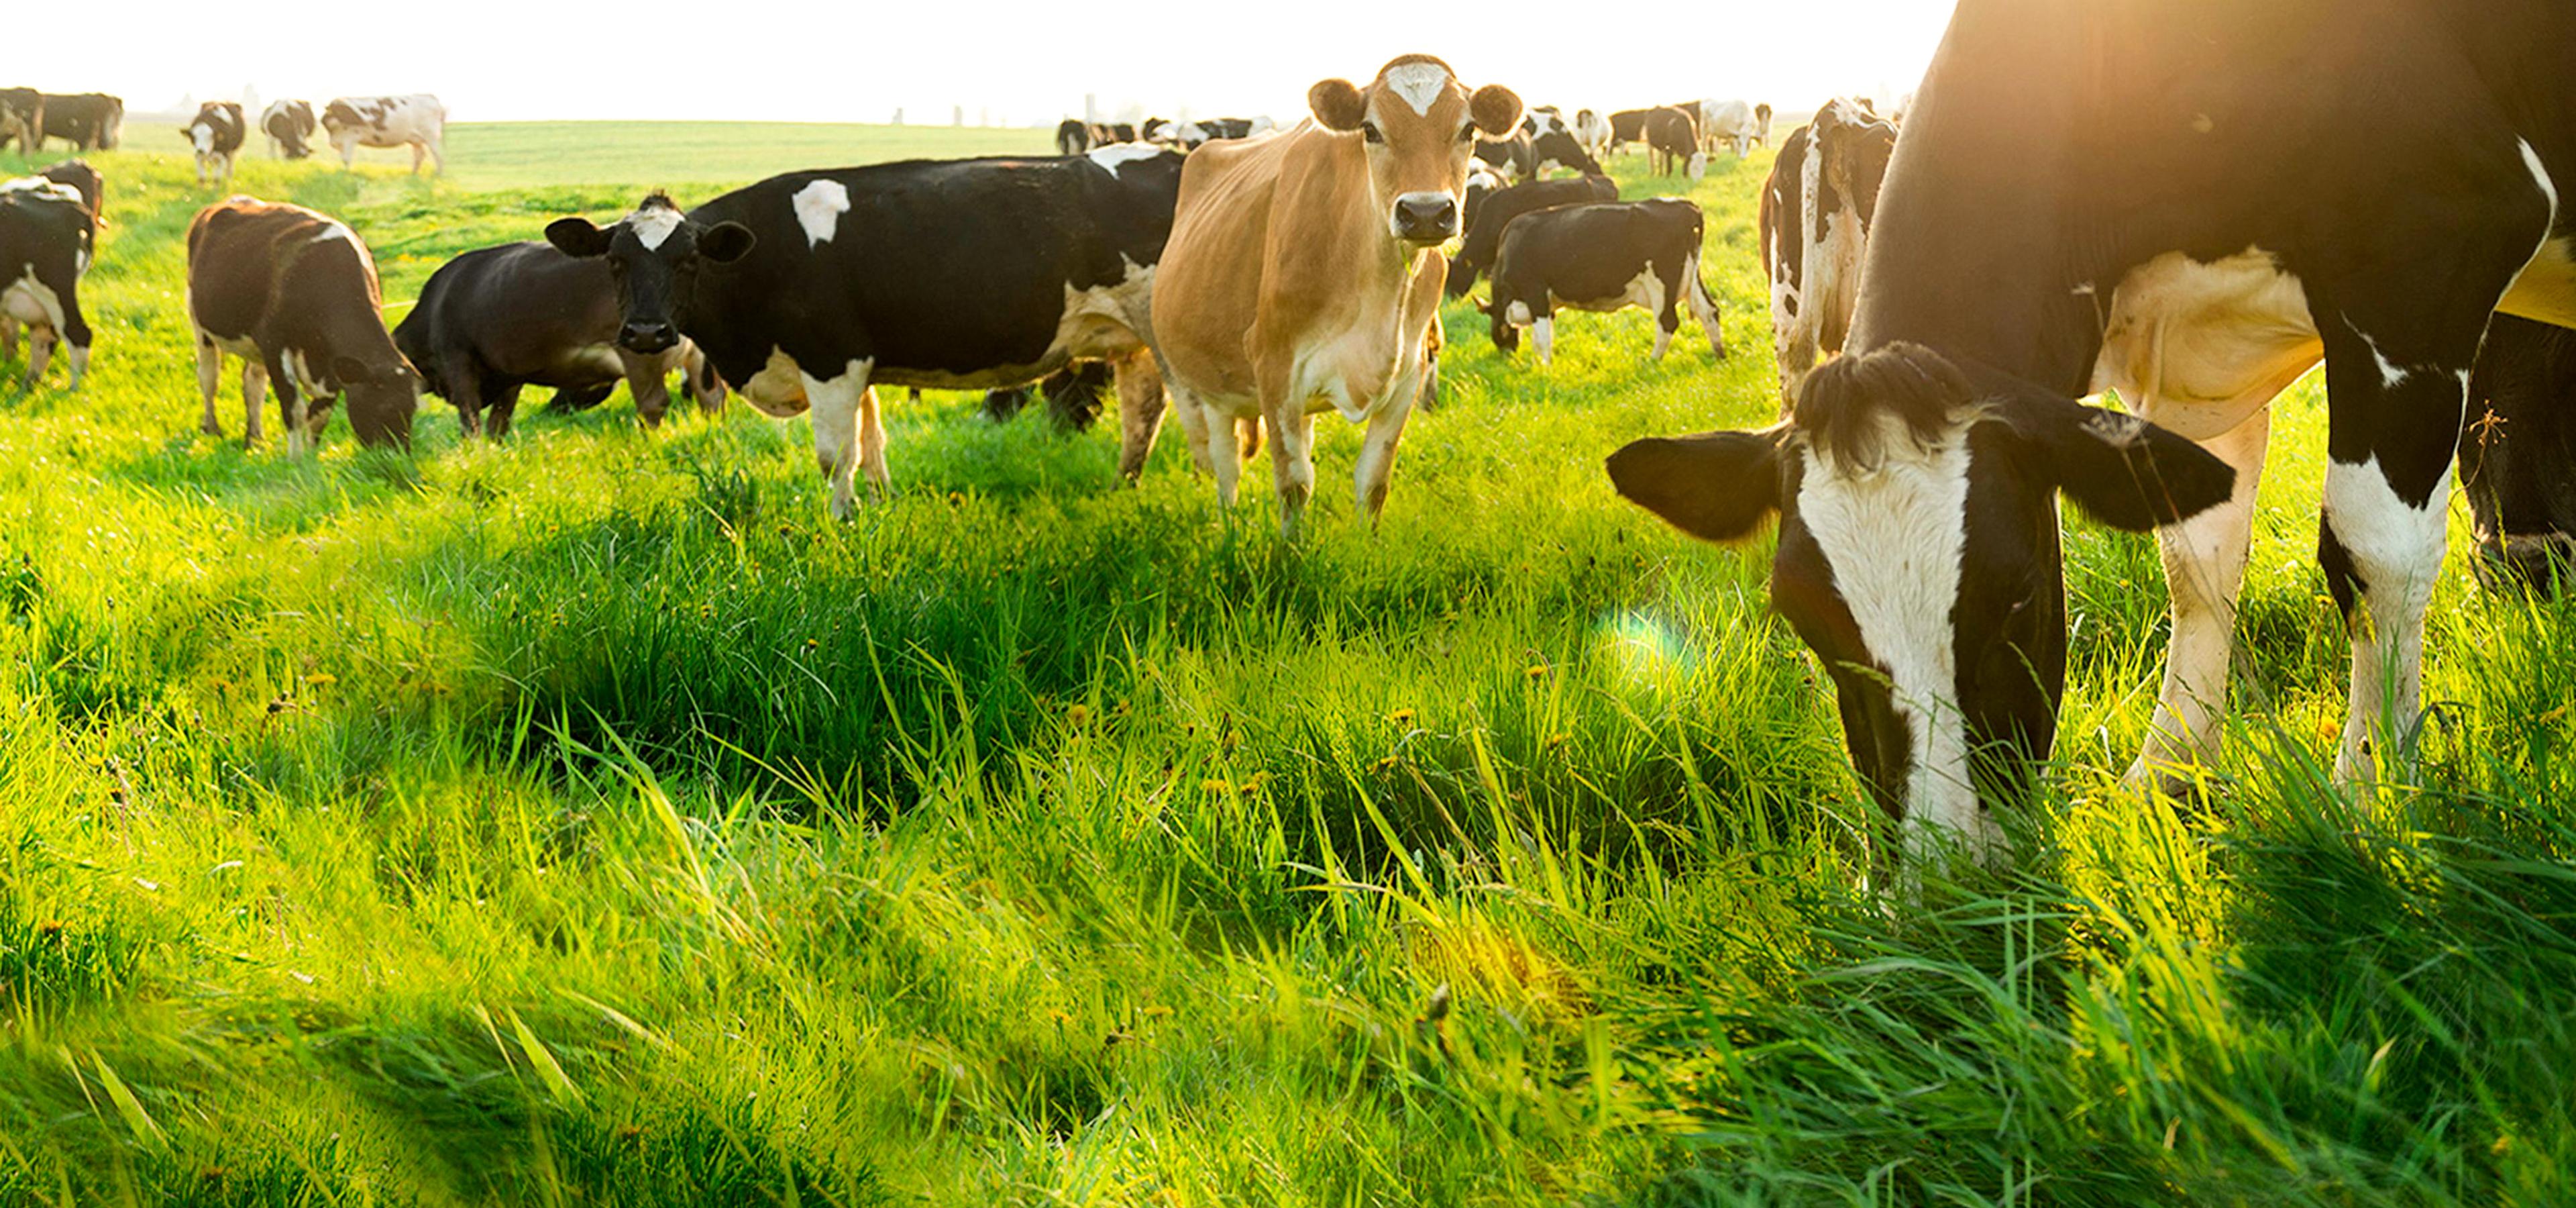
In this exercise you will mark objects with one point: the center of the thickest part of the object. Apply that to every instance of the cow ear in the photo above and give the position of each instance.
(1716, 486)
(2118, 469)
(1338, 105)
(726, 242)
(577, 236)
(1496, 109)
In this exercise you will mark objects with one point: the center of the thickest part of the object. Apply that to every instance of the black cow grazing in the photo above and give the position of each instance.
(1072, 136)
(1816, 211)
(1560, 149)
(2193, 220)
(1603, 256)
(814, 287)
(288, 124)
(22, 119)
(46, 239)
(1509, 157)
(1672, 143)
(217, 133)
(2515, 453)
(498, 319)
(293, 294)
(1628, 126)
(83, 180)
(1484, 239)
(90, 121)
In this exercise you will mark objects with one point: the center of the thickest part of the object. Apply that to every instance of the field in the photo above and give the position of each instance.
(589, 820)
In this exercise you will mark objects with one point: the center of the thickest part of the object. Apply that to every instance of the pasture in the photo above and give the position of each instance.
(588, 819)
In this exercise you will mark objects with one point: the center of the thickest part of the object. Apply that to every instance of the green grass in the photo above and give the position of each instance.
(589, 820)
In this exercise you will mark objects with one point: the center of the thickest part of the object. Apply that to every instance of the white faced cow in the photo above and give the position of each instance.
(216, 133)
(417, 121)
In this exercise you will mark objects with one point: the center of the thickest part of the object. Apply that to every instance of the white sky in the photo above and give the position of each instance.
(1008, 61)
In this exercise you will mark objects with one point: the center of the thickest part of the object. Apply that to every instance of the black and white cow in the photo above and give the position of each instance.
(495, 320)
(1484, 238)
(2517, 450)
(46, 239)
(1072, 136)
(22, 119)
(1594, 133)
(1628, 126)
(1481, 184)
(1816, 211)
(417, 121)
(89, 121)
(1509, 157)
(1191, 135)
(216, 133)
(84, 180)
(812, 288)
(1602, 256)
(1672, 143)
(2194, 221)
(1558, 149)
(288, 124)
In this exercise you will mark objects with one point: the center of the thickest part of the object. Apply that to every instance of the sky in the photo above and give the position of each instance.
(1007, 62)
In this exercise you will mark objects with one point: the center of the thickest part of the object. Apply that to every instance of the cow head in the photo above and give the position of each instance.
(654, 256)
(1854, 145)
(1418, 124)
(383, 396)
(1918, 556)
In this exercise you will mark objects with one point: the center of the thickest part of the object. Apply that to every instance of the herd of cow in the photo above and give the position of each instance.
(2189, 224)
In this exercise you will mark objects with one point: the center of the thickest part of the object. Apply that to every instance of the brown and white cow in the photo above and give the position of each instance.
(1816, 211)
(293, 293)
(216, 133)
(289, 126)
(1304, 271)
(417, 121)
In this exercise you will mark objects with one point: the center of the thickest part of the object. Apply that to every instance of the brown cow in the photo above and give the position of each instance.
(293, 293)
(1304, 271)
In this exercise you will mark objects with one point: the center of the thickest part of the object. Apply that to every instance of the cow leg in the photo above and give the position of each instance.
(1543, 337)
(210, 373)
(1376, 466)
(254, 388)
(291, 407)
(40, 353)
(466, 390)
(416, 157)
(844, 409)
(1703, 307)
(705, 384)
(2204, 573)
(1292, 457)
(8, 338)
(438, 155)
(500, 404)
(1140, 411)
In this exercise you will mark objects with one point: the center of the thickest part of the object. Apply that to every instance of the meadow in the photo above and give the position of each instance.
(587, 819)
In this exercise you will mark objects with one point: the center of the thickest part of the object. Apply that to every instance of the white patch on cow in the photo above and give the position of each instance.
(2540, 176)
(1517, 314)
(654, 224)
(201, 133)
(1420, 84)
(2396, 550)
(32, 302)
(333, 230)
(1119, 155)
(2200, 346)
(300, 370)
(2084, 290)
(819, 206)
(1895, 537)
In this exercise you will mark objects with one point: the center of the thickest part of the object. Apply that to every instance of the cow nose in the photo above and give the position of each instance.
(1426, 217)
(647, 337)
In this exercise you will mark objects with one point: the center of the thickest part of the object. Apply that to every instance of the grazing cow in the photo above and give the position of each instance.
(1073, 136)
(1559, 149)
(1542, 119)
(812, 288)
(22, 119)
(288, 125)
(1738, 124)
(1816, 211)
(1484, 239)
(216, 133)
(83, 180)
(1628, 126)
(1510, 156)
(90, 121)
(417, 121)
(1304, 272)
(1672, 142)
(1594, 132)
(1602, 256)
(497, 319)
(2519, 441)
(2193, 221)
(293, 294)
(46, 238)
(1191, 135)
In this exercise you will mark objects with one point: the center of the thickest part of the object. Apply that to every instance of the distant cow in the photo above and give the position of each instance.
(1672, 143)
(46, 239)
(1604, 256)
(417, 121)
(1559, 149)
(1816, 212)
(83, 180)
(2517, 450)
(1510, 156)
(288, 125)
(812, 288)
(1481, 184)
(1737, 124)
(1304, 273)
(1628, 126)
(216, 133)
(89, 121)
(1072, 136)
(22, 119)
(293, 294)
(1484, 239)
(1594, 132)
(498, 319)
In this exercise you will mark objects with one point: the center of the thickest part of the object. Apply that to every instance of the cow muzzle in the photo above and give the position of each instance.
(1425, 218)
(647, 338)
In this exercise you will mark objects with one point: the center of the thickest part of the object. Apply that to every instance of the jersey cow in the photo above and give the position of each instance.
(293, 294)
(417, 121)
(498, 319)
(289, 125)
(1304, 272)
(810, 289)
(1816, 211)
(1604, 256)
(47, 235)
(2193, 221)
(216, 133)
(1489, 218)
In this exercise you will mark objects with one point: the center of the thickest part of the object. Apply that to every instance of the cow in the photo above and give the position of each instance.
(1737, 124)
(1816, 210)
(2515, 450)
(2192, 221)
(288, 124)
(417, 121)
(497, 319)
(1602, 256)
(22, 119)
(1304, 272)
(1594, 132)
(1481, 184)
(293, 293)
(1072, 136)
(1672, 143)
(47, 236)
(1510, 156)
(1105, 133)
(1484, 241)
(216, 133)
(1191, 135)
(1542, 119)
(1559, 149)
(89, 121)
(812, 288)
(1628, 126)
(84, 180)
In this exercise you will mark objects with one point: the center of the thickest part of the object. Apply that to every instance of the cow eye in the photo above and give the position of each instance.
(1369, 131)
(1467, 133)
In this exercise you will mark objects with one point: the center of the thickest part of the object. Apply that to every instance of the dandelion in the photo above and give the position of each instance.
(1215, 788)
(324, 680)
(1078, 714)
(1383, 766)
(1537, 671)
(1401, 717)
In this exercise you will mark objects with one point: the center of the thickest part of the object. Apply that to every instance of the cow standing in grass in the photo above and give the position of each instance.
(22, 119)
(417, 121)
(1603, 256)
(293, 293)
(289, 126)
(216, 134)
(47, 236)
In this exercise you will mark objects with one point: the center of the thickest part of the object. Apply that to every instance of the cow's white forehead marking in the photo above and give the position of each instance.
(819, 206)
(652, 225)
(1420, 84)
(1118, 155)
